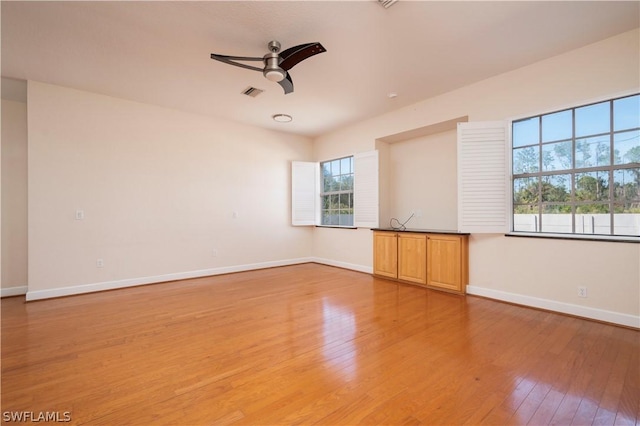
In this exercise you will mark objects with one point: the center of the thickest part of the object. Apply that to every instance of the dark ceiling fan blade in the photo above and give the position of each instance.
(231, 60)
(287, 52)
(287, 84)
(294, 55)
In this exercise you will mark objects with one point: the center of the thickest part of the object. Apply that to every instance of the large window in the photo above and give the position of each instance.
(337, 192)
(577, 171)
(341, 192)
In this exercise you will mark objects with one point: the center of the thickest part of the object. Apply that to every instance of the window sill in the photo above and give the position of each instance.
(336, 226)
(578, 237)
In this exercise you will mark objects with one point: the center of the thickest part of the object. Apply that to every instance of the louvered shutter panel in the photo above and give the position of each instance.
(483, 177)
(365, 191)
(305, 198)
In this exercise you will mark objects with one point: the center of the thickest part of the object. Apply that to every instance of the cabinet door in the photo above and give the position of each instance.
(447, 262)
(412, 258)
(385, 254)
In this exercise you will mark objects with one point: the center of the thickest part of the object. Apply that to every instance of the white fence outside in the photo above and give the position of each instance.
(624, 224)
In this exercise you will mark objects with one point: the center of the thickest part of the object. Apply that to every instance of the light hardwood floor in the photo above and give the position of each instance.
(312, 344)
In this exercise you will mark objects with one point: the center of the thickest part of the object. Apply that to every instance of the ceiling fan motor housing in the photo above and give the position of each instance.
(272, 70)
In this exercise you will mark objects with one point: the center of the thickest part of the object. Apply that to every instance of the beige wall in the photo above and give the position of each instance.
(422, 179)
(159, 189)
(543, 272)
(14, 196)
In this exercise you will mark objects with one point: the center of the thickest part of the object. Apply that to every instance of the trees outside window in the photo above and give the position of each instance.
(577, 171)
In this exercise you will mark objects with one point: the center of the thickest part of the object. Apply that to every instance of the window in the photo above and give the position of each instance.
(336, 196)
(577, 171)
(341, 192)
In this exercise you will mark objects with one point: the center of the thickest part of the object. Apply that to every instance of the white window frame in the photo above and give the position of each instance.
(336, 192)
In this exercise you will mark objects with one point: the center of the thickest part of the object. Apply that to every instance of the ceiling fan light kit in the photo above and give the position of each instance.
(276, 64)
(275, 75)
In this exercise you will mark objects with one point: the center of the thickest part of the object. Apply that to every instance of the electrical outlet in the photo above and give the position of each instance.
(79, 214)
(100, 263)
(582, 291)
(214, 253)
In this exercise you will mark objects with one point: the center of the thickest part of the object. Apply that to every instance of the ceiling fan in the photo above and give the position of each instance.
(276, 63)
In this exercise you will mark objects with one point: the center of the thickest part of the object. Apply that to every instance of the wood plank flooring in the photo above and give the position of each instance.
(311, 344)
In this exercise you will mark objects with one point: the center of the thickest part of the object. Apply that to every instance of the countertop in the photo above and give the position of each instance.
(422, 231)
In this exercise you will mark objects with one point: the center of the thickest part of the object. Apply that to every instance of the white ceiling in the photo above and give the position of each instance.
(158, 52)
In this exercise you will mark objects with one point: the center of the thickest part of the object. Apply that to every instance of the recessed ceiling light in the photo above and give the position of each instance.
(282, 118)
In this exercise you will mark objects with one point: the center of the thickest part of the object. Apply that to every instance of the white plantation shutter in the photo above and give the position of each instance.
(483, 195)
(305, 181)
(365, 189)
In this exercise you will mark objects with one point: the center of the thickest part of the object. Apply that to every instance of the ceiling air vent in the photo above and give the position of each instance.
(387, 3)
(252, 91)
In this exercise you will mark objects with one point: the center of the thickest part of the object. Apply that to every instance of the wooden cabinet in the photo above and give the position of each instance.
(437, 260)
(412, 255)
(447, 257)
(385, 254)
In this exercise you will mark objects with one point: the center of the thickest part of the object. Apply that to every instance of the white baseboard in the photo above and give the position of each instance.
(13, 291)
(112, 285)
(552, 305)
(344, 265)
